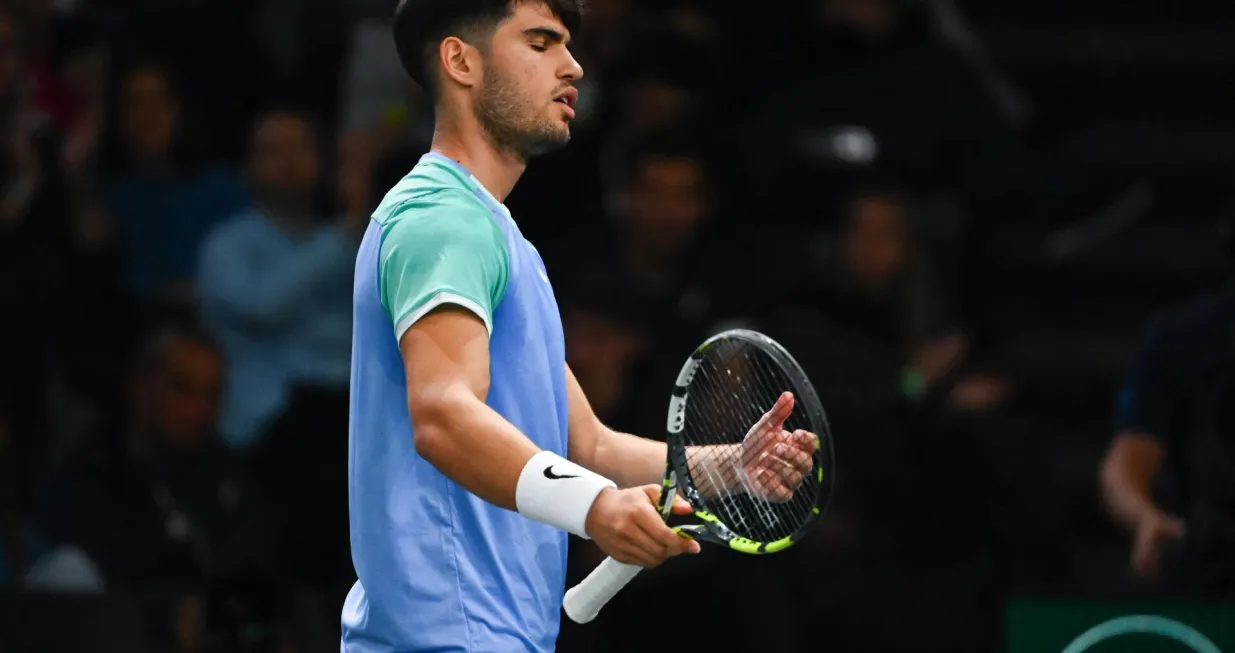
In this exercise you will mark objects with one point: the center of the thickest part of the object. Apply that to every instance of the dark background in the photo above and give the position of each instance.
(959, 216)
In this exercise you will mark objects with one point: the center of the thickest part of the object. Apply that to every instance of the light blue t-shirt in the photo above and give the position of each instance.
(281, 307)
(440, 569)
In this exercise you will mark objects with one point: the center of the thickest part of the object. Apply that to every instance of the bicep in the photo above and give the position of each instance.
(444, 352)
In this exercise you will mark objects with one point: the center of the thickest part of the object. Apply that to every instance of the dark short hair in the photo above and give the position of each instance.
(421, 25)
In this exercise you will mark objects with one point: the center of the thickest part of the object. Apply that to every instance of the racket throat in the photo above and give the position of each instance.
(701, 533)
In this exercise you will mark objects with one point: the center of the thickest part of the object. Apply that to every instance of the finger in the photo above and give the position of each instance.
(774, 419)
(792, 478)
(635, 556)
(778, 490)
(682, 506)
(784, 468)
(806, 440)
(666, 542)
(769, 485)
(794, 457)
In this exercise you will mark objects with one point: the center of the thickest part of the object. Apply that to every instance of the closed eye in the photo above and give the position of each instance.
(542, 38)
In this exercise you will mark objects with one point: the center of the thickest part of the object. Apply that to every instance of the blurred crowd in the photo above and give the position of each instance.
(182, 189)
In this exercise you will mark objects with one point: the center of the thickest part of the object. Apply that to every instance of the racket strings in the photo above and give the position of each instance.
(772, 382)
(732, 389)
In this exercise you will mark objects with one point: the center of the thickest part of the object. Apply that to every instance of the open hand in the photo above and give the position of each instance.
(775, 461)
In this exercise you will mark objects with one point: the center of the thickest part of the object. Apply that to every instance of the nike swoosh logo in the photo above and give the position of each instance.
(550, 475)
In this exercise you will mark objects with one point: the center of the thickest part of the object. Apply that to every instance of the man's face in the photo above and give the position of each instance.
(875, 240)
(285, 161)
(150, 114)
(526, 100)
(667, 201)
(653, 104)
(179, 399)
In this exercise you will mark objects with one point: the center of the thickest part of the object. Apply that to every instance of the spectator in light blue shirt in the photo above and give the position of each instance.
(276, 282)
(164, 197)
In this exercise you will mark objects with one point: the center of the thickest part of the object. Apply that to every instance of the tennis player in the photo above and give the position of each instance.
(473, 451)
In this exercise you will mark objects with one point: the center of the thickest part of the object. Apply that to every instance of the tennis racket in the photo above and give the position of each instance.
(750, 450)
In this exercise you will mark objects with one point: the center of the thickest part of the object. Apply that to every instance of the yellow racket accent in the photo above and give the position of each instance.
(748, 546)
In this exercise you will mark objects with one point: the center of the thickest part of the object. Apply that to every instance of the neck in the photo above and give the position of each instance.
(497, 169)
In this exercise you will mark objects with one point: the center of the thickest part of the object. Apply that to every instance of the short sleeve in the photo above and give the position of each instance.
(1150, 401)
(446, 251)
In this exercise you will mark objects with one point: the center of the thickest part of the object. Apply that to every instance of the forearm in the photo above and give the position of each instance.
(628, 459)
(472, 444)
(1128, 494)
(632, 461)
(1127, 478)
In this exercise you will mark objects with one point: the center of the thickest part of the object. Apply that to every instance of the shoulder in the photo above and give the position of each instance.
(439, 217)
(428, 189)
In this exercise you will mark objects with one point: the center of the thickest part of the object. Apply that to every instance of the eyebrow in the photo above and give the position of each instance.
(549, 34)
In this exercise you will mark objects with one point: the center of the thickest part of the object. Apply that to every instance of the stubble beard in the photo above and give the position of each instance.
(511, 122)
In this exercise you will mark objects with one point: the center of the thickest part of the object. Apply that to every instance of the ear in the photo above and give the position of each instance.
(460, 61)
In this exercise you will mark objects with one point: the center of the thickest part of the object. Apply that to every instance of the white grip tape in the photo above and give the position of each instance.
(583, 601)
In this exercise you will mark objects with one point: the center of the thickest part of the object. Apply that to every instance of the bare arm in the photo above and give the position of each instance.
(1127, 477)
(446, 357)
(629, 460)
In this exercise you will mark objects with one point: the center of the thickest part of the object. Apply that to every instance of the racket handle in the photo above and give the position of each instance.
(584, 601)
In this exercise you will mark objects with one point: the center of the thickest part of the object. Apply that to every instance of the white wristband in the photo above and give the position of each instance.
(555, 491)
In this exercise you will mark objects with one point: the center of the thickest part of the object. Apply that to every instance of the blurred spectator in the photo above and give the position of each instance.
(277, 289)
(890, 98)
(28, 162)
(81, 64)
(163, 194)
(607, 336)
(52, 263)
(20, 546)
(656, 89)
(70, 79)
(157, 501)
(871, 314)
(661, 242)
(30, 561)
(1167, 475)
(276, 281)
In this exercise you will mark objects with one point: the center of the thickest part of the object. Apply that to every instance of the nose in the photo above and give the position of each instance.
(574, 71)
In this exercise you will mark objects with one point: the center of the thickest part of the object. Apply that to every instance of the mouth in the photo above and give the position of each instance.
(567, 99)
